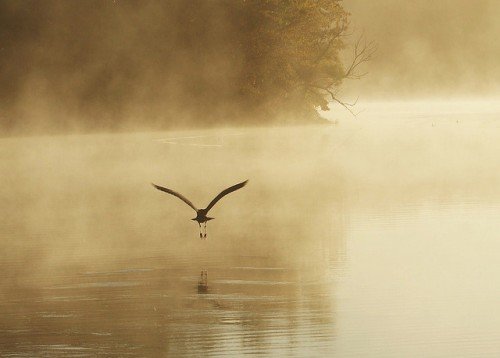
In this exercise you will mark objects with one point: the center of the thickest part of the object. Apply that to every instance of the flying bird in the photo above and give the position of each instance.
(201, 214)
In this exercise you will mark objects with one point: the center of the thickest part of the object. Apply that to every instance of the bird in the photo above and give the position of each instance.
(201, 214)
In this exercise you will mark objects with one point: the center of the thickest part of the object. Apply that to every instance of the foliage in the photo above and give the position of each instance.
(291, 52)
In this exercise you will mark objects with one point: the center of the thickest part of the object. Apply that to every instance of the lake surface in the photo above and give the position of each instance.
(375, 237)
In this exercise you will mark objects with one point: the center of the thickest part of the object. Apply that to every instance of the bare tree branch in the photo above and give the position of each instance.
(346, 105)
(363, 52)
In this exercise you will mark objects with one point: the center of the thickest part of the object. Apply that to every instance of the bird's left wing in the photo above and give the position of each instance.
(224, 193)
(174, 193)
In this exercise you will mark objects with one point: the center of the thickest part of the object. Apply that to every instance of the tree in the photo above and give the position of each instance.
(292, 55)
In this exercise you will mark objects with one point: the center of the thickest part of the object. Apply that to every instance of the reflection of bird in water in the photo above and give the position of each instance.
(201, 214)
(203, 282)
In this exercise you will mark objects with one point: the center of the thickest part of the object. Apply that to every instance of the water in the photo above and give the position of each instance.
(375, 238)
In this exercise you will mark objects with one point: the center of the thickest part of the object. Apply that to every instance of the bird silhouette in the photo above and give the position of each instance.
(201, 214)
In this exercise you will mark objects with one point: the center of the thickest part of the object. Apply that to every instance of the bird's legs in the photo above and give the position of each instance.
(205, 228)
(201, 236)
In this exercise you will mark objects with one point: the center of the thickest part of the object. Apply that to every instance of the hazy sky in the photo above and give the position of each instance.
(430, 48)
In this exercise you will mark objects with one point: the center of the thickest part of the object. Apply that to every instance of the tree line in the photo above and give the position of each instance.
(105, 64)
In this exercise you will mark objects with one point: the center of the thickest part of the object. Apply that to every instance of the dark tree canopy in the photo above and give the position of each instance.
(169, 63)
(291, 52)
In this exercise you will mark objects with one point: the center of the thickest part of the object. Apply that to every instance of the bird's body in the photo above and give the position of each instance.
(201, 214)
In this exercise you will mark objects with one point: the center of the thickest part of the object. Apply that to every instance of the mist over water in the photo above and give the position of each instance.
(388, 222)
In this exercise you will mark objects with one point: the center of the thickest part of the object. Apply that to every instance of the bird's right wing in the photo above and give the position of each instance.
(174, 193)
(224, 193)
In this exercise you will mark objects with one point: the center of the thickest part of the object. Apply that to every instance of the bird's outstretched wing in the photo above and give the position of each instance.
(224, 193)
(180, 196)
